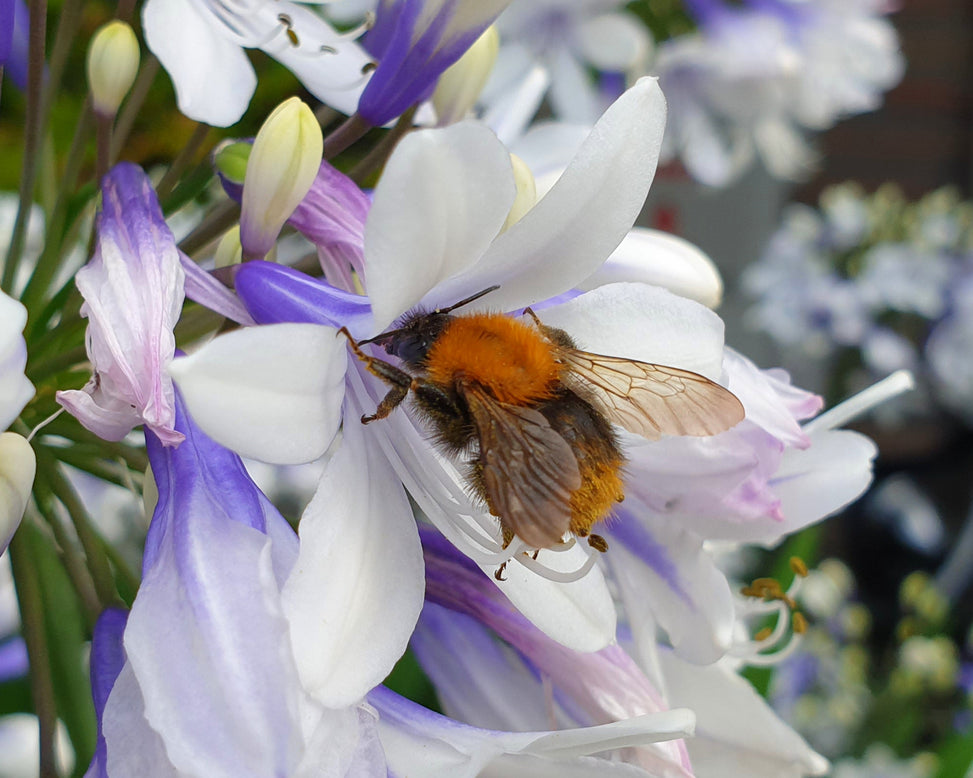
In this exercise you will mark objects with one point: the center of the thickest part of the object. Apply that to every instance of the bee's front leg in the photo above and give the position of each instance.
(400, 381)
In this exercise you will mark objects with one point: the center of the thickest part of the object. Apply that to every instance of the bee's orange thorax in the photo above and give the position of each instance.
(509, 358)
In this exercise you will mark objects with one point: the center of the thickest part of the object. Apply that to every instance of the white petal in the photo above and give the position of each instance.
(357, 587)
(579, 614)
(643, 322)
(615, 41)
(17, 466)
(573, 95)
(661, 259)
(212, 76)
(513, 109)
(686, 593)
(443, 197)
(328, 63)
(271, 393)
(821, 480)
(565, 237)
(134, 748)
(15, 389)
(735, 726)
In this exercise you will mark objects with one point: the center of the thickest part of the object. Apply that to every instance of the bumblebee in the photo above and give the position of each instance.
(531, 414)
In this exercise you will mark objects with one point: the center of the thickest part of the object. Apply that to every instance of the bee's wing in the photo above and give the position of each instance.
(652, 400)
(529, 471)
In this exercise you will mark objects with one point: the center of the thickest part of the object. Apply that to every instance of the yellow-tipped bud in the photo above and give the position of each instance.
(460, 85)
(113, 62)
(526, 191)
(229, 251)
(282, 166)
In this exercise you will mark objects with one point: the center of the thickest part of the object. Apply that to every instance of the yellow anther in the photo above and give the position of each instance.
(798, 623)
(798, 567)
(763, 634)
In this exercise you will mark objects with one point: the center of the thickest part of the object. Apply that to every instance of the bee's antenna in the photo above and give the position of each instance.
(382, 336)
(469, 299)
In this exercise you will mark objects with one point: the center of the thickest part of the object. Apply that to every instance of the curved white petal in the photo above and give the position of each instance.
(615, 41)
(510, 113)
(643, 322)
(661, 259)
(571, 231)
(17, 467)
(357, 587)
(271, 393)
(15, 389)
(212, 76)
(814, 483)
(735, 726)
(683, 590)
(579, 614)
(443, 197)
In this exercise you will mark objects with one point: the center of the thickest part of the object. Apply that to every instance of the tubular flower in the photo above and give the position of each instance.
(242, 656)
(133, 289)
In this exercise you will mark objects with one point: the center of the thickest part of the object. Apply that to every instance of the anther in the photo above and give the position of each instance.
(798, 567)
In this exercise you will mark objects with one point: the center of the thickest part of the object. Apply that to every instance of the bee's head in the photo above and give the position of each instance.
(414, 336)
(411, 340)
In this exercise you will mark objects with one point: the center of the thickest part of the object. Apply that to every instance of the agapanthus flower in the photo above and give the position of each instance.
(414, 41)
(431, 238)
(133, 289)
(756, 76)
(241, 655)
(547, 50)
(191, 39)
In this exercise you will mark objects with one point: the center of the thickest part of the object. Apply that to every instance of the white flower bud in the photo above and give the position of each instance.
(113, 62)
(460, 85)
(282, 166)
(17, 466)
(526, 192)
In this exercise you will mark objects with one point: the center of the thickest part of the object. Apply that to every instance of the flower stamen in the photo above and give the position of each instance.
(766, 597)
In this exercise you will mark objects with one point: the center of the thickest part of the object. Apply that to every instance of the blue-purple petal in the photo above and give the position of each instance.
(274, 293)
(13, 659)
(200, 475)
(631, 533)
(107, 660)
(407, 71)
(14, 23)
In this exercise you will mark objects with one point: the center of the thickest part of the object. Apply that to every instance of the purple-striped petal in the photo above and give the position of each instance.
(133, 289)
(107, 660)
(414, 41)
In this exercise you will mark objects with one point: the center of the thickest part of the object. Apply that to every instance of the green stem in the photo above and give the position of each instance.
(33, 133)
(136, 98)
(93, 547)
(68, 26)
(103, 156)
(69, 553)
(32, 615)
(379, 155)
(182, 161)
(40, 372)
